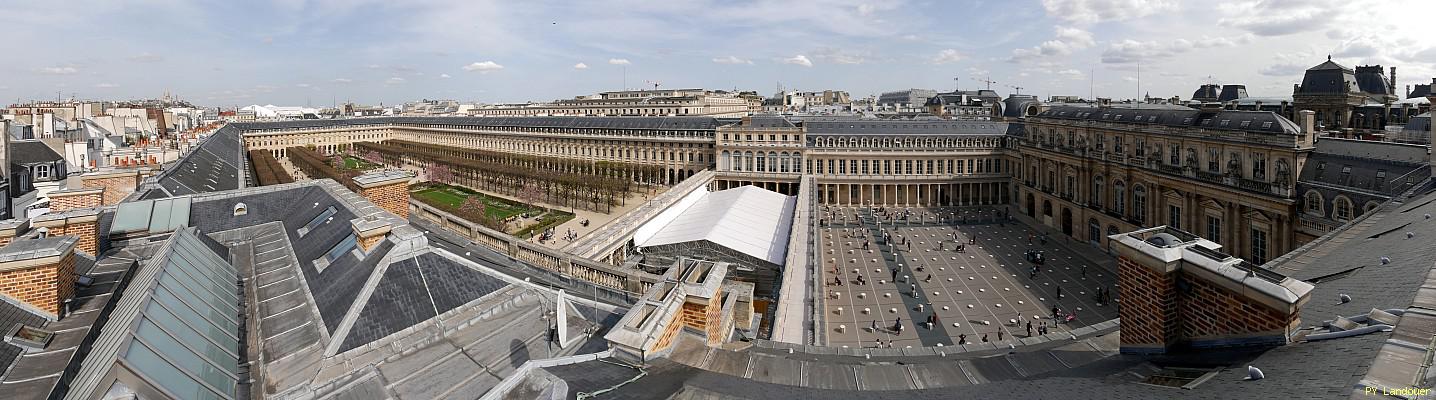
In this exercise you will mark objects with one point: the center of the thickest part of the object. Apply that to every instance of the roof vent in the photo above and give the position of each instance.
(1344, 298)
(1163, 240)
(28, 337)
(1254, 374)
(1410, 235)
(1385, 260)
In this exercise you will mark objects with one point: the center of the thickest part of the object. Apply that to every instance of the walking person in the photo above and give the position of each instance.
(984, 338)
(1029, 328)
(962, 338)
(1054, 313)
(1084, 272)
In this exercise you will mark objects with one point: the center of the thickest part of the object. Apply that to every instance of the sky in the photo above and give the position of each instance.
(319, 52)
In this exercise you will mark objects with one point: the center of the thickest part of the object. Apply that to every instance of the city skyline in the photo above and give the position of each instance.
(320, 52)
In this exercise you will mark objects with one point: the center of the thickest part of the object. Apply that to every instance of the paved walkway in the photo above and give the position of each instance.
(985, 289)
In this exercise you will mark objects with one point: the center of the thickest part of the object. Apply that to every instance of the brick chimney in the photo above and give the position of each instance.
(69, 199)
(387, 189)
(11, 228)
(80, 223)
(1178, 290)
(116, 185)
(39, 273)
(370, 231)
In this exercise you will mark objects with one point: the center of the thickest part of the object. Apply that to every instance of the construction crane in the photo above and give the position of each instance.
(1018, 89)
(989, 82)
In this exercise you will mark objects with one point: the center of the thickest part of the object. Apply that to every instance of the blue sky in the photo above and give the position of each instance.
(295, 52)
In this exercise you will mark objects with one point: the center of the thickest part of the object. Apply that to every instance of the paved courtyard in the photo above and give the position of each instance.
(987, 288)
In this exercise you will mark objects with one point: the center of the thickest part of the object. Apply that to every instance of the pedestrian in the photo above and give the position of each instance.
(1084, 271)
(1054, 313)
(875, 325)
(962, 338)
(894, 270)
(1042, 330)
(927, 279)
(999, 334)
(984, 338)
(1029, 328)
(1059, 292)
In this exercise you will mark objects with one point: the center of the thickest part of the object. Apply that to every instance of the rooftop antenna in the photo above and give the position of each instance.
(655, 84)
(957, 87)
(1017, 88)
(1139, 84)
(986, 80)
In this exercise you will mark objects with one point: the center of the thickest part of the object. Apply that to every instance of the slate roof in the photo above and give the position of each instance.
(1232, 92)
(855, 126)
(1016, 105)
(416, 289)
(213, 165)
(653, 123)
(11, 315)
(1371, 79)
(1231, 120)
(1207, 92)
(26, 152)
(1328, 78)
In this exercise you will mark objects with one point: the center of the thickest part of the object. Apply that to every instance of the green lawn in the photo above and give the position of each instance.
(355, 163)
(552, 218)
(454, 196)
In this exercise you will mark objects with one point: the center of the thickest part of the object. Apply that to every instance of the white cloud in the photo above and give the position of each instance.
(374, 66)
(483, 67)
(580, 66)
(302, 85)
(1070, 74)
(1095, 11)
(57, 70)
(1281, 17)
(1128, 51)
(444, 76)
(342, 80)
(619, 61)
(732, 60)
(836, 55)
(798, 60)
(947, 56)
(147, 57)
(1065, 40)
(866, 10)
(394, 81)
(910, 37)
(106, 85)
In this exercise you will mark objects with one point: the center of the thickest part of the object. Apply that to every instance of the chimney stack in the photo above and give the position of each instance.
(39, 273)
(387, 189)
(1391, 86)
(370, 231)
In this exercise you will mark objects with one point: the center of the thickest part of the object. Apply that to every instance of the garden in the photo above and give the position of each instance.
(512, 217)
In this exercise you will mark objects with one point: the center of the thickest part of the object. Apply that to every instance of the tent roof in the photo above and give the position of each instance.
(746, 219)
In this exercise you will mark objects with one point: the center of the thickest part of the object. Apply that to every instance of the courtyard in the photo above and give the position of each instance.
(985, 288)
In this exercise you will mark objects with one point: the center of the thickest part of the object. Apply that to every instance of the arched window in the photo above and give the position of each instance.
(726, 162)
(772, 162)
(1139, 203)
(748, 161)
(1314, 203)
(1342, 206)
(1119, 196)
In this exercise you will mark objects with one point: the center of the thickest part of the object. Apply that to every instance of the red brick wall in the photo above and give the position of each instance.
(63, 201)
(1149, 304)
(116, 187)
(42, 286)
(85, 231)
(1211, 311)
(392, 197)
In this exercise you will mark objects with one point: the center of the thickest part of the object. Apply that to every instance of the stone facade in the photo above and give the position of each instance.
(78, 198)
(44, 283)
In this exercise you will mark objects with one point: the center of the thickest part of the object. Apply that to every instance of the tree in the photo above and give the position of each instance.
(337, 162)
(440, 173)
(472, 205)
(373, 157)
(530, 193)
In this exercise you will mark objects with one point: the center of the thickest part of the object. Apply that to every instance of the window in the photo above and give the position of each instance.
(1174, 216)
(1258, 246)
(1119, 197)
(1140, 146)
(42, 171)
(1097, 191)
(1139, 203)
(1343, 209)
(318, 219)
(340, 248)
(1214, 160)
(1214, 229)
(1176, 156)
(1117, 144)
(1313, 203)
(1258, 166)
